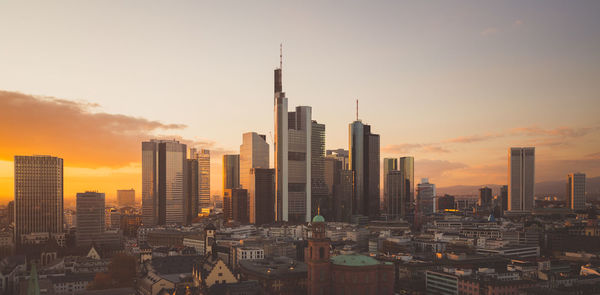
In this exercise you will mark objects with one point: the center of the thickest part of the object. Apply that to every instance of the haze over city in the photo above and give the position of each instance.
(454, 85)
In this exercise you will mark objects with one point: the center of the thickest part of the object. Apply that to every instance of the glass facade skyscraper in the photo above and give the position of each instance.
(90, 217)
(164, 182)
(231, 171)
(364, 162)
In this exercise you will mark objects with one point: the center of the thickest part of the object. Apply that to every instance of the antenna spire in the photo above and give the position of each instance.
(357, 110)
(281, 55)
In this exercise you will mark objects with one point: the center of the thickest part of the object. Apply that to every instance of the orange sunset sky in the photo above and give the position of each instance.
(452, 85)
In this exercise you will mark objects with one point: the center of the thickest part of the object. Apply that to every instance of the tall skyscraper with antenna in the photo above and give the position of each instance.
(364, 162)
(293, 156)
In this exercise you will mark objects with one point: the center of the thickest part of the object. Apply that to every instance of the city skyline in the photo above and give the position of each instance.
(467, 145)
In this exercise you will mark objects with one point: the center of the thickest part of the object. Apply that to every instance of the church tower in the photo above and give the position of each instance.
(317, 258)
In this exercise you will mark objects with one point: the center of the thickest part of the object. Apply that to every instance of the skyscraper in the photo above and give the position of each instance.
(231, 171)
(38, 196)
(389, 164)
(126, 198)
(426, 202)
(293, 147)
(576, 191)
(90, 217)
(254, 153)
(339, 182)
(485, 197)
(407, 167)
(319, 195)
(364, 162)
(235, 205)
(204, 177)
(261, 194)
(394, 192)
(193, 191)
(521, 178)
(504, 196)
(164, 182)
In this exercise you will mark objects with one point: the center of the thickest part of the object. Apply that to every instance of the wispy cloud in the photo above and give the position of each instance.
(413, 147)
(472, 138)
(489, 31)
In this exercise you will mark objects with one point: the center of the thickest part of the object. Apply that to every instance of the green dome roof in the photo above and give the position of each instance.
(354, 260)
(318, 218)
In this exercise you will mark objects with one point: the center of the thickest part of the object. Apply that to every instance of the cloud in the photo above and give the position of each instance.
(435, 169)
(472, 138)
(405, 148)
(552, 137)
(518, 23)
(593, 156)
(489, 31)
(43, 125)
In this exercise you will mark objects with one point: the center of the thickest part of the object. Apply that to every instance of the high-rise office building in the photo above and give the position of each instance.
(504, 196)
(389, 164)
(293, 147)
(126, 198)
(364, 162)
(231, 171)
(445, 203)
(254, 153)
(38, 196)
(341, 155)
(576, 191)
(261, 196)
(203, 157)
(320, 198)
(339, 183)
(90, 220)
(164, 182)
(193, 189)
(407, 166)
(485, 197)
(426, 202)
(521, 178)
(235, 205)
(394, 192)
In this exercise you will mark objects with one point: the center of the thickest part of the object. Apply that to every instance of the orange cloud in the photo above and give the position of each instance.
(34, 125)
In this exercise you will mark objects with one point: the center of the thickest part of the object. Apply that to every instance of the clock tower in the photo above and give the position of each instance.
(317, 258)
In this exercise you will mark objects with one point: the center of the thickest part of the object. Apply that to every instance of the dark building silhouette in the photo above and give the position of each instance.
(262, 182)
(235, 205)
(485, 197)
(445, 202)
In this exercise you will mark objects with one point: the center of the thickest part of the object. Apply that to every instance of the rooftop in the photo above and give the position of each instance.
(354, 260)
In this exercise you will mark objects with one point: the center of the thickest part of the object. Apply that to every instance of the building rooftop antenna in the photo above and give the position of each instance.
(357, 110)
(280, 55)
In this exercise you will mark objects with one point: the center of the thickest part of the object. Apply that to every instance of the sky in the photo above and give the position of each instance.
(452, 83)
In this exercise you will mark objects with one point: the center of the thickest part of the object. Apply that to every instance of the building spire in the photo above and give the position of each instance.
(357, 110)
(280, 55)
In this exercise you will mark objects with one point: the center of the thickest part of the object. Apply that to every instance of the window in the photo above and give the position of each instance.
(321, 253)
(310, 250)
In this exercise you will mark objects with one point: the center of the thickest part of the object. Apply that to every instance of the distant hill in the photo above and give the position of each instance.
(556, 187)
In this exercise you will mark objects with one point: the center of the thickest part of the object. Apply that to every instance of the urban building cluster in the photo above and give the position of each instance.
(319, 221)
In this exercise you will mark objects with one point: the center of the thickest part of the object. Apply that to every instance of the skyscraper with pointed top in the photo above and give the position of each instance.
(293, 156)
(364, 162)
